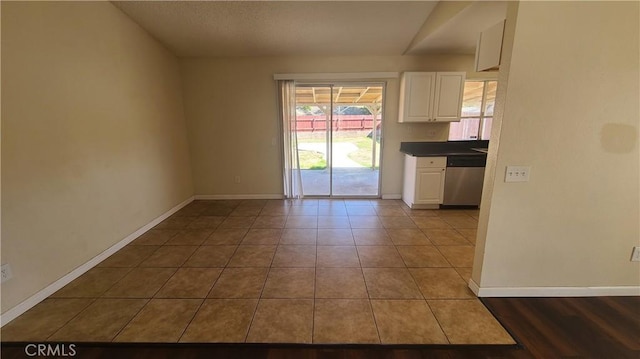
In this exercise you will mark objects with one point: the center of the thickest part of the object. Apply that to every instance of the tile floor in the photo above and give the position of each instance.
(275, 271)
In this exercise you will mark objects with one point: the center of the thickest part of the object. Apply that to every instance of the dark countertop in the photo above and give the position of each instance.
(451, 148)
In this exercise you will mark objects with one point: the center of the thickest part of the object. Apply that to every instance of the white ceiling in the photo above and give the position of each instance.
(305, 28)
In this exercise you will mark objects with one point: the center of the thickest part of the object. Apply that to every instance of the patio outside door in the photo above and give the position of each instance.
(338, 130)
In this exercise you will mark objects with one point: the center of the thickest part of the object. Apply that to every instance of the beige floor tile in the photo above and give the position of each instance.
(397, 222)
(390, 211)
(390, 283)
(340, 283)
(406, 322)
(441, 283)
(238, 222)
(211, 256)
(420, 212)
(206, 222)
(101, 321)
(240, 283)
(386, 202)
(246, 211)
(190, 237)
(458, 256)
(175, 222)
(299, 236)
(344, 321)
(379, 256)
(469, 234)
(226, 236)
(335, 237)
(446, 237)
(263, 236)
(169, 256)
(333, 210)
(469, 322)
(140, 283)
(282, 321)
(361, 211)
(282, 210)
(465, 273)
(422, 256)
(473, 213)
(371, 237)
(333, 222)
(161, 320)
(303, 211)
(295, 256)
(93, 283)
(129, 256)
(430, 222)
(461, 222)
(194, 208)
(301, 222)
(155, 237)
(337, 256)
(39, 322)
(446, 213)
(357, 202)
(365, 222)
(221, 321)
(217, 210)
(272, 221)
(289, 283)
(252, 256)
(190, 283)
(408, 237)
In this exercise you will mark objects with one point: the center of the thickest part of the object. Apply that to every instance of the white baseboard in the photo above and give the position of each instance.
(30, 302)
(238, 196)
(554, 291)
(391, 196)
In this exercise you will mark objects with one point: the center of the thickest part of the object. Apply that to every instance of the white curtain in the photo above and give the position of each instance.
(291, 170)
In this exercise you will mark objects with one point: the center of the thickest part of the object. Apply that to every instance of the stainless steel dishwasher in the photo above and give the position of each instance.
(463, 180)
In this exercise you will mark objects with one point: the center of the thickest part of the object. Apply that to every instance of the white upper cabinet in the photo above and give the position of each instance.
(489, 48)
(431, 96)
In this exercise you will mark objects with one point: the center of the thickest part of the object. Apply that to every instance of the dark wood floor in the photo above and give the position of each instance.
(600, 327)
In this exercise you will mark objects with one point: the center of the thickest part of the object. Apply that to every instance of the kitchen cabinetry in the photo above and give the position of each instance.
(424, 181)
(431, 96)
(489, 48)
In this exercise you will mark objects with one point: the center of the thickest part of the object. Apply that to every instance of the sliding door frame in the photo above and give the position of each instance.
(346, 83)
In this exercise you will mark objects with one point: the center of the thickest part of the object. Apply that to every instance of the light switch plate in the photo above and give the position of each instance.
(635, 254)
(517, 174)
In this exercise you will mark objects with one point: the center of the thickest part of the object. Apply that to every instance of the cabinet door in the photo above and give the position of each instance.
(429, 185)
(416, 96)
(489, 48)
(448, 96)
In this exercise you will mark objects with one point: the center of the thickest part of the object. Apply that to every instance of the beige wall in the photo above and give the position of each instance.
(94, 142)
(231, 108)
(571, 112)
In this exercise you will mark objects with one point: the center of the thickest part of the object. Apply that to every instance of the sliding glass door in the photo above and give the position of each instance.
(338, 131)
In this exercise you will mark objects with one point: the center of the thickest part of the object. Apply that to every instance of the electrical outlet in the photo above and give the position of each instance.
(517, 174)
(635, 254)
(5, 272)
(236, 179)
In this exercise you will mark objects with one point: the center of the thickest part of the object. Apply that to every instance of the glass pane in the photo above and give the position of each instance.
(486, 128)
(313, 107)
(491, 97)
(466, 129)
(472, 98)
(357, 114)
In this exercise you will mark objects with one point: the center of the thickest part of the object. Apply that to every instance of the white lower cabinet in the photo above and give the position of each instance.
(424, 181)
